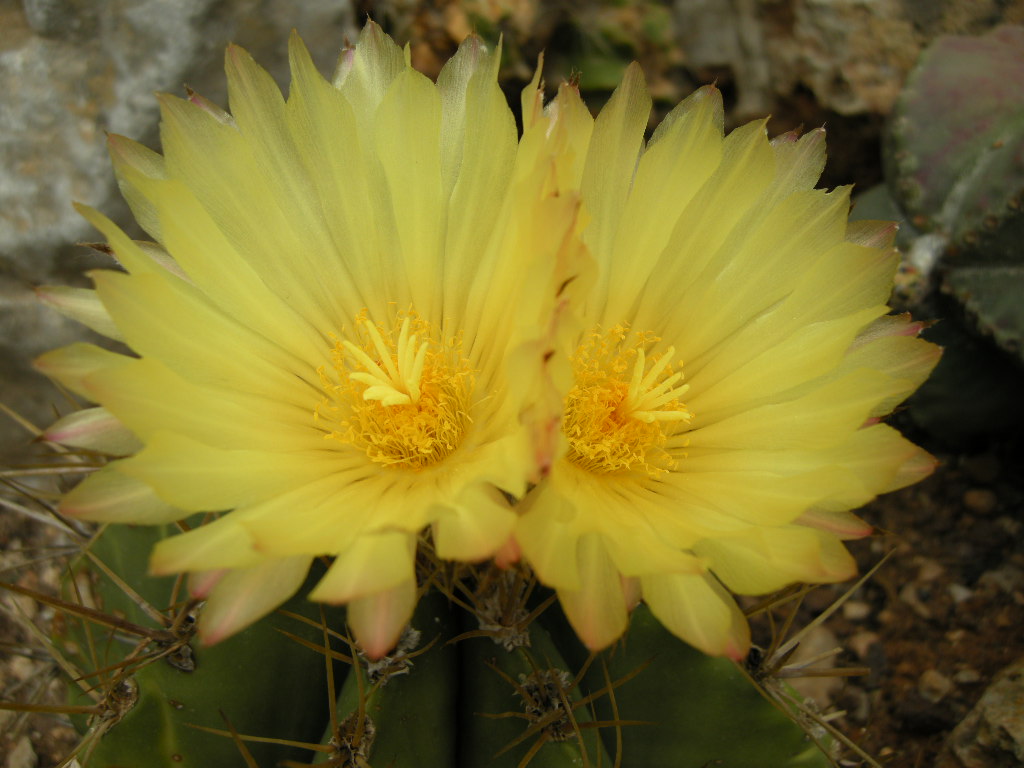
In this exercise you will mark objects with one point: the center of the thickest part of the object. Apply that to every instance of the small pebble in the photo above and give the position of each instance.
(954, 636)
(856, 610)
(960, 593)
(933, 685)
(967, 676)
(929, 571)
(980, 501)
(1007, 578)
(22, 755)
(856, 702)
(909, 596)
(22, 667)
(861, 643)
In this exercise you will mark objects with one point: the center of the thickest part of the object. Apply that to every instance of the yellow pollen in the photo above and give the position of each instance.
(399, 394)
(620, 412)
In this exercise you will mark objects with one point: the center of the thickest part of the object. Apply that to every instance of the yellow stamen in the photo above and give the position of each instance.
(405, 402)
(614, 423)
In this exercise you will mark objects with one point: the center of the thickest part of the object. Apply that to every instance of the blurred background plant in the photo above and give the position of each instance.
(931, 86)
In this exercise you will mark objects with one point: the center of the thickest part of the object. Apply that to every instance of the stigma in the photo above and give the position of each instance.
(398, 392)
(624, 404)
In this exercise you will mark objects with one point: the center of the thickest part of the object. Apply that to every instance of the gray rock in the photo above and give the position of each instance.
(992, 734)
(72, 71)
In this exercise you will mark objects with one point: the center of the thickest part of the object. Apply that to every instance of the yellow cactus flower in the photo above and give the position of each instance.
(324, 359)
(723, 392)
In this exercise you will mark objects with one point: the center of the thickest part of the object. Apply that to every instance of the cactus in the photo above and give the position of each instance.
(955, 163)
(500, 681)
(166, 687)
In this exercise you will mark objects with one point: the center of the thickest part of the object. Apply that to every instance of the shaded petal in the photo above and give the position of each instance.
(597, 611)
(815, 420)
(175, 323)
(684, 152)
(766, 559)
(95, 429)
(700, 611)
(220, 544)
(243, 596)
(107, 496)
(72, 364)
(612, 156)
(840, 523)
(378, 620)
(799, 161)
(475, 527)
(132, 160)
(82, 305)
(374, 563)
(148, 397)
(547, 542)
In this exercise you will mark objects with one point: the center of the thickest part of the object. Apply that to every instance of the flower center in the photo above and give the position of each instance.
(623, 406)
(399, 394)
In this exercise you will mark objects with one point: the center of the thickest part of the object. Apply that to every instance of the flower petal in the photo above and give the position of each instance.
(378, 620)
(765, 559)
(220, 544)
(374, 563)
(95, 429)
(107, 496)
(80, 304)
(597, 611)
(698, 610)
(474, 527)
(246, 595)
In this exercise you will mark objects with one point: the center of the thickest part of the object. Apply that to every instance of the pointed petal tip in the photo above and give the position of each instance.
(736, 652)
(202, 583)
(508, 554)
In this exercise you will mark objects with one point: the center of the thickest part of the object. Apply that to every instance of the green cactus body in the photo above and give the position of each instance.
(955, 151)
(695, 710)
(515, 707)
(399, 712)
(263, 682)
(954, 158)
(434, 703)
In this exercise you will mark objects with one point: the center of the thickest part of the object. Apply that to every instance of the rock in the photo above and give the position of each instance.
(818, 641)
(992, 734)
(21, 755)
(852, 55)
(856, 610)
(933, 685)
(70, 73)
(929, 570)
(910, 596)
(959, 593)
(862, 642)
(967, 676)
(1007, 578)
